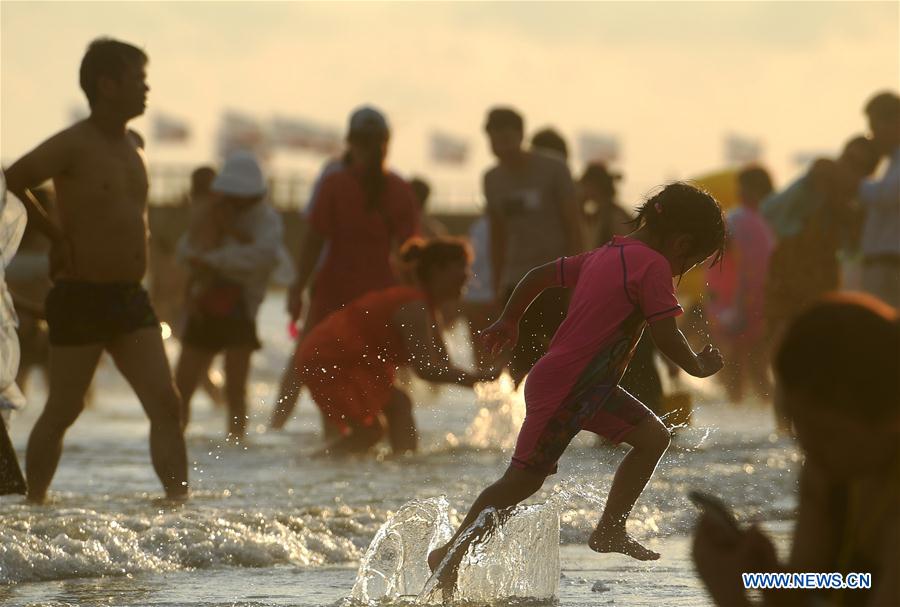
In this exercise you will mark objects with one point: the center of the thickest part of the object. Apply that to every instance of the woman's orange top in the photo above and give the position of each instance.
(349, 359)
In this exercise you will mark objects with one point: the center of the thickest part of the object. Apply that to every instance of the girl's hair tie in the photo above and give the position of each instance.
(657, 206)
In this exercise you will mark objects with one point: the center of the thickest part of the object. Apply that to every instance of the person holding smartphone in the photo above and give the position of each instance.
(836, 375)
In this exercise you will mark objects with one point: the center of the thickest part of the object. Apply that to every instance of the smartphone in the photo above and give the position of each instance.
(717, 509)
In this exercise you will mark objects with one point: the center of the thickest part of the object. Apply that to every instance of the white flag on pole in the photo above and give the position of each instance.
(742, 150)
(598, 147)
(447, 149)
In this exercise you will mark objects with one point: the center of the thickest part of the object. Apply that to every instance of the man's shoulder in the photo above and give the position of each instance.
(395, 180)
(69, 136)
(335, 176)
(490, 182)
(548, 162)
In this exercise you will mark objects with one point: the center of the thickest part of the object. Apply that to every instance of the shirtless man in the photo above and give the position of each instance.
(98, 259)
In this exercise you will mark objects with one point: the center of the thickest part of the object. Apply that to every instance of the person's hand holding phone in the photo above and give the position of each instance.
(722, 551)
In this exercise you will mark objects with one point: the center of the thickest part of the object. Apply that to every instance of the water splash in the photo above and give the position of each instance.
(517, 556)
(520, 559)
(396, 562)
(500, 415)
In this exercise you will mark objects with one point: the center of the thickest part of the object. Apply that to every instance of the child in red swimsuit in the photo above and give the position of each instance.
(617, 290)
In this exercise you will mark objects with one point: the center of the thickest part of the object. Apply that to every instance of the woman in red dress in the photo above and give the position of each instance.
(349, 359)
(359, 214)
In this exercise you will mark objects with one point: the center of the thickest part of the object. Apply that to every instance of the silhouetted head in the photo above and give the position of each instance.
(883, 112)
(858, 160)
(367, 137)
(201, 181)
(549, 140)
(440, 266)
(685, 224)
(113, 75)
(506, 130)
(421, 189)
(598, 183)
(836, 372)
(754, 185)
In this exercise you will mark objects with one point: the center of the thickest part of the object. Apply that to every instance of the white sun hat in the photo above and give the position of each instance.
(240, 176)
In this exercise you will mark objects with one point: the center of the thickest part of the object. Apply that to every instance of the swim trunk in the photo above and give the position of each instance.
(84, 313)
(211, 333)
(609, 411)
(219, 320)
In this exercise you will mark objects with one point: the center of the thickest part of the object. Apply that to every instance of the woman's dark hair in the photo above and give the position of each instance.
(860, 152)
(109, 58)
(844, 351)
(680, 209)
(423, 256)
(374, 180)
(549, 139)
(421, 189)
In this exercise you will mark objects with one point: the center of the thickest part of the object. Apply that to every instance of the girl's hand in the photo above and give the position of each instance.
(501, 335)
(710, 361)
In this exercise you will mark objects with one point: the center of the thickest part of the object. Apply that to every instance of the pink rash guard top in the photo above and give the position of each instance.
(617, 289)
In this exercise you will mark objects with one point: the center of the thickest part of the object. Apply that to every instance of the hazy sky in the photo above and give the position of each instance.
(668, 78)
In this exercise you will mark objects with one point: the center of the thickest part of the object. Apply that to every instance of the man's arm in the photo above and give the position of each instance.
(45, 162)
(497, 227)
(310, 251)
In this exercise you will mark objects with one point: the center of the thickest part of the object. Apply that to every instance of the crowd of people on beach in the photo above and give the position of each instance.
(569, 290)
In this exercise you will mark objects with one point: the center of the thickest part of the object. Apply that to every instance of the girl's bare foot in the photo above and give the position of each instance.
(444, 578)
(436, 556)
(617, 540)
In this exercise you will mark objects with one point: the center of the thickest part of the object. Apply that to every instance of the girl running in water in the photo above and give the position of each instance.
(617, 290)
(348, 361)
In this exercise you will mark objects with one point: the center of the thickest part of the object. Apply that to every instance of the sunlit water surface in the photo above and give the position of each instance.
(270, 525)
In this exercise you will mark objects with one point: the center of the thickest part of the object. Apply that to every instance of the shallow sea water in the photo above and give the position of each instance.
(270, 525)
